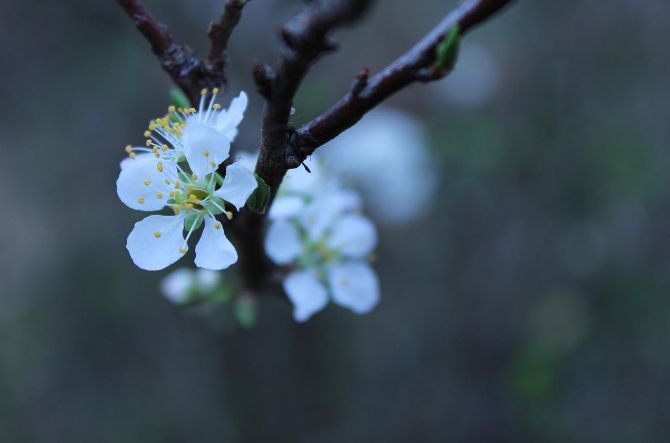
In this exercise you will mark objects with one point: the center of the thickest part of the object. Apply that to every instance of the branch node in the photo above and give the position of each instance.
(361, 81)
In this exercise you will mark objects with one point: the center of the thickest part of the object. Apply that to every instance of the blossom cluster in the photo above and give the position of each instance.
(317, 230)
(178, 169)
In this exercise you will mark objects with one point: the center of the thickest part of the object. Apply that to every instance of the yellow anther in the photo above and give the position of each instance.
(217, 225)
(171, 194)
(205, 153)
(188, 206)
(194, 176)
(167, 181)
(193, 199)
(183, 250)
(154, 150)
(171, 108)
(147, 182)
(129, 149)
(177, 185)
(159, 195)
(164, 148)
(131, 155)
(159, 166)
(140, 200)
(189, 187)
(215, 91)
(204, 91)
(216, 106)
(212, 164)
(176, 209)
(147, 133)
(229, 215)
(157, 234)
(148, 143)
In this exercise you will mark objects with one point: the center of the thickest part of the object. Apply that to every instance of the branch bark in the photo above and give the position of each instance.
(179, 61)
(367, 92)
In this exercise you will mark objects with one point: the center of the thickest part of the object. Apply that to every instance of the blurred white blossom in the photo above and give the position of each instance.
(326, 241)
(184, 285)
(387, 157)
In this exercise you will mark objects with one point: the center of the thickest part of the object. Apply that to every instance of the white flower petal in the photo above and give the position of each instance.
(176, 286)
(214, 251)
(353, 235)
(300, 181)
(286, 206)
(238, 184)
(205, 148)
(282, 242)
(154, 242)
(328, 206)
(142, 186)
(354, 285)
(306, 293)
(228, 120)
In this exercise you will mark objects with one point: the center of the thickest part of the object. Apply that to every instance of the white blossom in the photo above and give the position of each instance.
(177, 170)
(328, 243)
(386, 155)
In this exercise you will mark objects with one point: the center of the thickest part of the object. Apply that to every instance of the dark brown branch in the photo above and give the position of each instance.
(412, 66)
(305, 38)
(220, 32)
(179, 61)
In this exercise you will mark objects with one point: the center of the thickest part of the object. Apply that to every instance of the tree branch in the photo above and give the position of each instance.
(179, 61)
(412, 66)
(220, 32)
(305, 39)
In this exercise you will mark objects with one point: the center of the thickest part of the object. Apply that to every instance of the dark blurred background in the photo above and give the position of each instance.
(531, 304)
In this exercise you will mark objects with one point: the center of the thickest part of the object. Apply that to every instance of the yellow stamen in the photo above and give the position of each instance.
(164, 148)
(157, 234)
(216, 106)
(147, 182)
(229, 215)
(129, 149)
(167, 181)
(183, 250)
(212, 164)
(215, 91)
(217, 225)
(159, 166)
(148, 143)
(194, 176)
(131, 155)
(176, 209)
(205, 153)
(177, 185)
(140, 200)
(159, 195)
(193, 199)
(171, 108)
(147, 133)
(204, 91)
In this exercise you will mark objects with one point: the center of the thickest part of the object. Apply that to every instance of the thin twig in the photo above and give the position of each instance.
(179, 61)
(220, 32)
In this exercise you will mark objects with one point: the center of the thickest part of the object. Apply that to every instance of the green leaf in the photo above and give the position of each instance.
(259, 200)
(446, 52)
(245, 311)
(178, 99)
